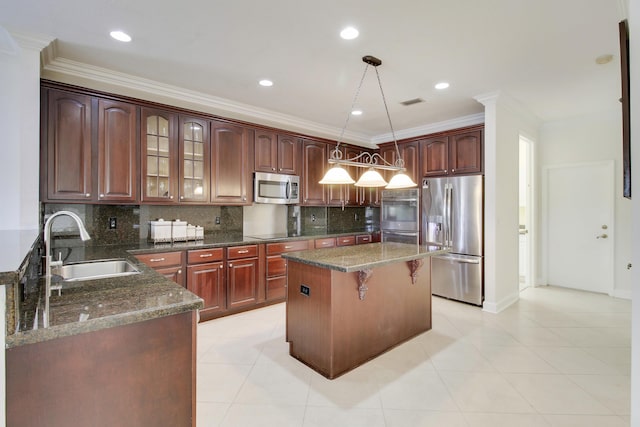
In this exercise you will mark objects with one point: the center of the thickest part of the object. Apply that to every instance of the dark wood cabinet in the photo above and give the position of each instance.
(206, 278)
(345, 241)
(465, 152)
(314, 164)
(410, 154)
(80, 168)
(277, 153)
(194, 147)
(169, 264)
(158, 155)
(117, 151)
(362, 239)
(455, 153)
(276, 271)
(325, 242)
(67, 151)
(230, 160)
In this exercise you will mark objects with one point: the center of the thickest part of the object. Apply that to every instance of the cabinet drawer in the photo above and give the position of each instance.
(279, 248)
(204, 255)
(276, 266)
(248, 251)
(327, 242)
(276, 288)
(346, 240)
(363, 238)
(163, 259)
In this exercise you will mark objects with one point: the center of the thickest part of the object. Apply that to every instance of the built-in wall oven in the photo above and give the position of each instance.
(400, 216)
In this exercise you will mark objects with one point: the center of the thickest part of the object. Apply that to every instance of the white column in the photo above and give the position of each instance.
(505, 121)
(20, 124)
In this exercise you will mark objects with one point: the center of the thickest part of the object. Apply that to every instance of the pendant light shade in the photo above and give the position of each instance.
(337, 175)
(371, 178)
(400, 180)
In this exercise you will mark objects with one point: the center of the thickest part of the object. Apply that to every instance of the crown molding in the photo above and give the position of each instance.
(53, 63)
(504, 100)
(473, 119)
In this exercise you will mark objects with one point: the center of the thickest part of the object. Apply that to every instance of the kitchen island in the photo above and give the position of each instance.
(348, 305)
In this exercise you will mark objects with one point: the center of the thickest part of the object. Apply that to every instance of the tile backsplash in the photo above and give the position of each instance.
(132, 221)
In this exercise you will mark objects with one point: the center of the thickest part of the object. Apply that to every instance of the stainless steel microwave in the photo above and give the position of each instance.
(276, 188)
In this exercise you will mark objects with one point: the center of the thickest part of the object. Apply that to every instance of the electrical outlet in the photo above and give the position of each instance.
(113, 223)
(217, 220)
(313, 217)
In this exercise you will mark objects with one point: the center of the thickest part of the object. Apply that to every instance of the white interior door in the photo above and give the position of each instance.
(580, 226)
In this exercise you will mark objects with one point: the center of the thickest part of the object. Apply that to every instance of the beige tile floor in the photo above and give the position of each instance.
(556, 358)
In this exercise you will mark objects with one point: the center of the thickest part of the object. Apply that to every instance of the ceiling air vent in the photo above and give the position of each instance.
(412, 101)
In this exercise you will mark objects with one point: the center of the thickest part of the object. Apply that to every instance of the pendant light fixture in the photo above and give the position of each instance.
(373, 162)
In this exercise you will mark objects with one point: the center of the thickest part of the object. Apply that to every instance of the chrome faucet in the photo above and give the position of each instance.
(49, 263)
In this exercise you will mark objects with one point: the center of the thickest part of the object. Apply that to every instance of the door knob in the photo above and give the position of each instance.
(602, 236)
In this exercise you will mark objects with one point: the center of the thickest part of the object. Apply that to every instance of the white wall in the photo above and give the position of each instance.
(634, 53)
(20, 124)
(589, 138)
(505, 121)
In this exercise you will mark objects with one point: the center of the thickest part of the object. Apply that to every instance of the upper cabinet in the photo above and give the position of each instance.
(117, 152)
(230, 164)
(159, 155)
(72, 174)
(194, 147)
(410, 154)
(314, 163)
(277, 153)
(455, 153)
(66, 142)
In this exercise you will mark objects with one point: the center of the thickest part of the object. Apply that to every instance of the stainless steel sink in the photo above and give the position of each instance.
(91, 270)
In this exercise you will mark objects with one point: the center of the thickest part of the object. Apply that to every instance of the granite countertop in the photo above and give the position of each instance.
(356, 258)
(97, 304)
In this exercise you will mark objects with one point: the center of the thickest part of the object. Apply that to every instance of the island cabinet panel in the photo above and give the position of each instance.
(142, 374)
(67, 152)
(331, 329)
(117, 151)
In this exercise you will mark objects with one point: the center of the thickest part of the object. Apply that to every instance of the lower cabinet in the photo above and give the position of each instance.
(345, 240)
(206, 278)
(169, 264)
(242, 276)
(276, 275)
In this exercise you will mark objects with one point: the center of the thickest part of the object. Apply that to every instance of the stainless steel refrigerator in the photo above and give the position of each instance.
(452, 216)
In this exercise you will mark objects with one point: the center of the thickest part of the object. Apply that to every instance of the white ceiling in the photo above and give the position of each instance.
(539, 52)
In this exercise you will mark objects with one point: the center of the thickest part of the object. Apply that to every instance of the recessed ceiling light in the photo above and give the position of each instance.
(120, 36)
(349, 33)
(441, 85)
(265, 83)
(356, 113)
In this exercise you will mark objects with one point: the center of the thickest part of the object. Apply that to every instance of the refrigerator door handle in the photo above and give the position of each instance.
(450, 215)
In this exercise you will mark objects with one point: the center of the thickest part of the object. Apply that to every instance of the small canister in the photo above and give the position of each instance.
(199, 232)
(160, 231)
(179, 231)
(191, 232)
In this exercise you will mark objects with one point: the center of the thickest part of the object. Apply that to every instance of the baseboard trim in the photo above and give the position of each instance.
(621, 293)
(497, 307)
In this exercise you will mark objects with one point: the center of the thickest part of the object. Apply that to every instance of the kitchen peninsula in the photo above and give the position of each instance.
(347, 305)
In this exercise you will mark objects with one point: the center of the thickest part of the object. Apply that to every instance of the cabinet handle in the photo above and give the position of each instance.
(288, 247)
(87, 195)
(243, 251)
(101, 196)
(220, 266)
(453, 170)
(230, 265)
(206, 255)
(244, 198)
(171, 197)
(180, 271)
(156, 259)
(273, 169)
(181, 197)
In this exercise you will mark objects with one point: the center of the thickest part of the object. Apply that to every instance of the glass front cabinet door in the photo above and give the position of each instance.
(194, 160)
(159, 156)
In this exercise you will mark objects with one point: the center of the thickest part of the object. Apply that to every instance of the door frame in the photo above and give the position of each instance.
(530, 217)
(610, 166)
